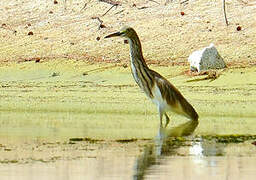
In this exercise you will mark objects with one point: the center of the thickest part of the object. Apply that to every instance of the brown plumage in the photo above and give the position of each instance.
(155, 86)
(173, 97)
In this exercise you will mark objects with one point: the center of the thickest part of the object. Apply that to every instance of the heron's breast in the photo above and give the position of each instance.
(157, 97)
(136, 76)
(162, 103)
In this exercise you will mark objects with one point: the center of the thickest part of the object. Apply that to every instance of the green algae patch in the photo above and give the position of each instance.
(126, 140)
(9, 161)
(90, 140)
(229, 138)
(102, 101)
(176, 141)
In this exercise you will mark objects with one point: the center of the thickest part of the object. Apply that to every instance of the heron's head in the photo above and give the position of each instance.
(126, 32)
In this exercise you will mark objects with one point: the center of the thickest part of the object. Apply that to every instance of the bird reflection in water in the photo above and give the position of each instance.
(165, 144)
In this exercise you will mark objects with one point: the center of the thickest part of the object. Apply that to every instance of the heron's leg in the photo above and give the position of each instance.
(167, 119)
(160, 111)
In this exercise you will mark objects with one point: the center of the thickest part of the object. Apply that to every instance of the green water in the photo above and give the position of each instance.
(102, 101)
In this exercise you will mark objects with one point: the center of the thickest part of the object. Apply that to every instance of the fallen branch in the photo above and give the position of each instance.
(184, 2)
(224, 11)
(211, 75)
(119, 12)
(109, 10)
(84, 6)
(113, 3)
(97, 19)
(155, 2)
(100, 21)
(143, 7)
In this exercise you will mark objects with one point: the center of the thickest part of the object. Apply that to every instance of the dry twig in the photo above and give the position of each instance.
(100, 21)
(155, 2)
(211, 75)
(184, 2)
(84, 6)
(113, 3)
(224, 11)
(108, 10)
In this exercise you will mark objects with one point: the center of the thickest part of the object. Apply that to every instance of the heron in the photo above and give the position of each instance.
(163, 94)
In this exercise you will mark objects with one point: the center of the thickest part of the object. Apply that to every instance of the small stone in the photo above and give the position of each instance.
(50, 12)
(102, 26)
(205, 59)
(37, 60)
(30, 33)
(29, 24)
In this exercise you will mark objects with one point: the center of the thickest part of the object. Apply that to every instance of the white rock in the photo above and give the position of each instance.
(207, 58)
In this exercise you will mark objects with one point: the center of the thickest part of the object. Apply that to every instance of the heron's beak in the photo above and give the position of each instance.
(114, 35)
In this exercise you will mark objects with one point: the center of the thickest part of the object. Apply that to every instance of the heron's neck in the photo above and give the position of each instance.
(136, 51)
(140, 70)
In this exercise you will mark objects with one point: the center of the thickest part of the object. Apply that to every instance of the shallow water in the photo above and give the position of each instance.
(180, 156)
(122, 168)
(174, 154)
